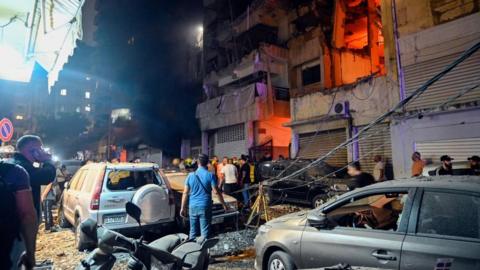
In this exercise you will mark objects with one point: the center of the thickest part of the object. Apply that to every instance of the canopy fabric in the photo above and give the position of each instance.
(233, 108)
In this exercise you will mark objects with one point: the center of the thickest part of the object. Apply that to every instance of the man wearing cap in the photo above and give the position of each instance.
(446, 168)
(198, 193)
(474, 165)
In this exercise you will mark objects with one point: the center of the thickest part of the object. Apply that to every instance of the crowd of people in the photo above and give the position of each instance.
(446, 166)
(31, 167)
(233, 175)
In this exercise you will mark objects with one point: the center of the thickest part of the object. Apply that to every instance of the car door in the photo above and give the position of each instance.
(444, 231)
(355, 245)
(69, 196)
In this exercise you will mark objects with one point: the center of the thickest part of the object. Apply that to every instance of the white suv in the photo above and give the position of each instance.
(99, 191)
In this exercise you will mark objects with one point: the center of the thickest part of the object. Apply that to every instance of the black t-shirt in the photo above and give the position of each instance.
(17, 178)
(364, 179)
(245, 174)
(443, 171)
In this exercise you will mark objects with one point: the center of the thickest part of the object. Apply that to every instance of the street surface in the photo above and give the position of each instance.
(233, 251)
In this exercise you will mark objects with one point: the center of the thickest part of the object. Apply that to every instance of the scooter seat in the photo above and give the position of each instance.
(169, 242)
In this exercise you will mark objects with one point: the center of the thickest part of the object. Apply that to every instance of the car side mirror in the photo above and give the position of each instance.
(134, 211)
(67, 185)
(318, 220)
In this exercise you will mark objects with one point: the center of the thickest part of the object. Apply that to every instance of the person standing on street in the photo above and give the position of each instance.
(220, 176)
(474, 165)
(446, 168)
(244, 182)
(17, 218)
(379, 169)
(37, 163)
(198, 195)
(48, 200)
(418, 164)
(230, 174)
(362, 179)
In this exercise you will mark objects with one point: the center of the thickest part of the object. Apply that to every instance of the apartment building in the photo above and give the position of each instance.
(246, 79)
(432, 34)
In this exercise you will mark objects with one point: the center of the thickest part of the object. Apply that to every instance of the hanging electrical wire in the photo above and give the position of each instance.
(387, 114)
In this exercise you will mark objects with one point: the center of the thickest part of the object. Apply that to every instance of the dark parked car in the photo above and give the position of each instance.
(303, 189)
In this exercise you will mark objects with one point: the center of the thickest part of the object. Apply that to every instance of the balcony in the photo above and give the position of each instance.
(267, 58)
(250, 103)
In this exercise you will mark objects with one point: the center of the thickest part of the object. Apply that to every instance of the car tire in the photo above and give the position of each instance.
(81, 242)
(319, 200)
(280, 260)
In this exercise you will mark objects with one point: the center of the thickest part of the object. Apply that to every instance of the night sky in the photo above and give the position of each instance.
(151, 75)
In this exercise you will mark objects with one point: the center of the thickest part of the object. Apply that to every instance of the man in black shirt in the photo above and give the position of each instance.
(446, 168)
(21, 221)
(244, 181)
(362, 179)
(474, 165)
(37, 163)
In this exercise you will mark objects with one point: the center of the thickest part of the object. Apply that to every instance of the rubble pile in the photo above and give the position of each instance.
(283, 209)
(233, 243)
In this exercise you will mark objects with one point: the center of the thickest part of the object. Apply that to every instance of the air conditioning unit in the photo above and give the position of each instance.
(341, 108)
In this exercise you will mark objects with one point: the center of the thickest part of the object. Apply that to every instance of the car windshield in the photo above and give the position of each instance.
(130, 179)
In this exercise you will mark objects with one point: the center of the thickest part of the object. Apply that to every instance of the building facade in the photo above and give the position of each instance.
(431, 36)
(342, 74)
(246, 99)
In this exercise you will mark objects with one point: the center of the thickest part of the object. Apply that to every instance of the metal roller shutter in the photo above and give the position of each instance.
(377, 142)
(459, 149)
(230, 141)
(314, 145)
(464, 75)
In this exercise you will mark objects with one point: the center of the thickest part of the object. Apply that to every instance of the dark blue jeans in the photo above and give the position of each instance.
(200, 217)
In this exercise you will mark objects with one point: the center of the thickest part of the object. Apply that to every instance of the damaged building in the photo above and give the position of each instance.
(300, 77)
(246, 79)
(340, 78)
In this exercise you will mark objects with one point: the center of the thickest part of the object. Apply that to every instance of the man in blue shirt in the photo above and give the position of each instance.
(198, 193)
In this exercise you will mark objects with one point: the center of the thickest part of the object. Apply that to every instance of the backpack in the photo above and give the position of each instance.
(9, 221)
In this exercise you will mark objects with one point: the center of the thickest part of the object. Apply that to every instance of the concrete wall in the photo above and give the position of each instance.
(442, 126)
(367, 101)
(414, 15)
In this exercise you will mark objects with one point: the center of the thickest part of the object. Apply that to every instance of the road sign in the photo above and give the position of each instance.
(6, 130)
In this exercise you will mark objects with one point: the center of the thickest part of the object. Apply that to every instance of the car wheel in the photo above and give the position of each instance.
(81, 242)
(319, 200)
(280, 260)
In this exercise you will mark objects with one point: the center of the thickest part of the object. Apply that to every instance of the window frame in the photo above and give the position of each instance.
(309, 65)
(415, 215)
(408, 207)
(76, 179)
(160, 181)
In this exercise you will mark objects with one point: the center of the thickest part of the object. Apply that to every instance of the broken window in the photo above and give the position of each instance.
(311, 73)
(379, 212)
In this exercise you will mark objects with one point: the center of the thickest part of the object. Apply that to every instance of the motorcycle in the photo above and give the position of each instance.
(173, 251)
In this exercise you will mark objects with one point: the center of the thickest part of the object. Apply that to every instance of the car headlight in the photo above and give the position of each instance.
(263, 229)
(232, 206)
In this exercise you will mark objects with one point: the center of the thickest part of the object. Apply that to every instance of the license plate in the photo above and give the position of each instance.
(114, 219)
(217, 220)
